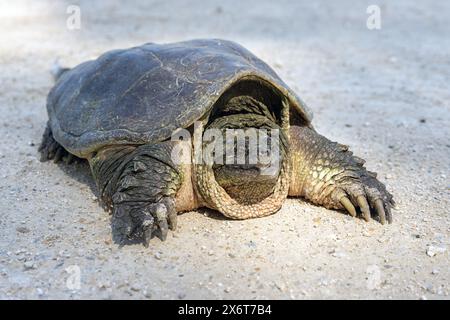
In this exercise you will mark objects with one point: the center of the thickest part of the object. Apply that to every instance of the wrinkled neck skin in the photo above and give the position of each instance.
(242, 186)
(241, 174)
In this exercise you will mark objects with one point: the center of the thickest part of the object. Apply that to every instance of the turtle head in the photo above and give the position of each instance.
(246, 155)
(246, 179)
(228, 175)
(249, 174)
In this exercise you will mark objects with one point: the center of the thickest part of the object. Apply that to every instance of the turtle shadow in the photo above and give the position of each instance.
(79, 171)
(213, 214)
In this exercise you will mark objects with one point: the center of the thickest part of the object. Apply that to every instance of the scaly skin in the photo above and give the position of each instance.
(327, 174)
(217, 198)
(143, 187)
(139, 184)
(238, 202)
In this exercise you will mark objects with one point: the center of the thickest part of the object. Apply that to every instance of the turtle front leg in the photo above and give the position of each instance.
(138, 184)
(327, 174)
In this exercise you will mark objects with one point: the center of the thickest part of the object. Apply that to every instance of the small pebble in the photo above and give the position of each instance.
(434, 250)
(22, 229)
(135, 288)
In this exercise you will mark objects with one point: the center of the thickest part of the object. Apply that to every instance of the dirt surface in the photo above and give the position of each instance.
(383, 92)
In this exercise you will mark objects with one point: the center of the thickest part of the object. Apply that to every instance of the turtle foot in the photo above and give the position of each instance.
(50, 149)
(328, 174)
(139, 185)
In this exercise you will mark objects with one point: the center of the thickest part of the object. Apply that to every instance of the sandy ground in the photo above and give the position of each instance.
(384, 92)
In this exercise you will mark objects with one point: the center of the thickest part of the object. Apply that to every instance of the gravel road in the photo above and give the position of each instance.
(384, 92)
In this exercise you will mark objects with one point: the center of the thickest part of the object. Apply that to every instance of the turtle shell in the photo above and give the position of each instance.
(142, 94)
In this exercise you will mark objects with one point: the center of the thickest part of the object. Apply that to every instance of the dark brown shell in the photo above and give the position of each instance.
(142, 94)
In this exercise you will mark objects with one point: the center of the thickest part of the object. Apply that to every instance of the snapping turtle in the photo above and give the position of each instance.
(122, 111)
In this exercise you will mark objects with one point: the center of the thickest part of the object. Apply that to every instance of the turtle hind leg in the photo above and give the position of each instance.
(50, 149)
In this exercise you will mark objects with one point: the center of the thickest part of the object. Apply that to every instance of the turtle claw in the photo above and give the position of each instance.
(370, 196)
(388, 214)
(140, 185)
(147, 230)
(332, 176)
(147, 236)
(160, 212)
(348, 206)
(173, 221)
(380, 210)
(364, 206)
(164, 229)
(141, 220)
